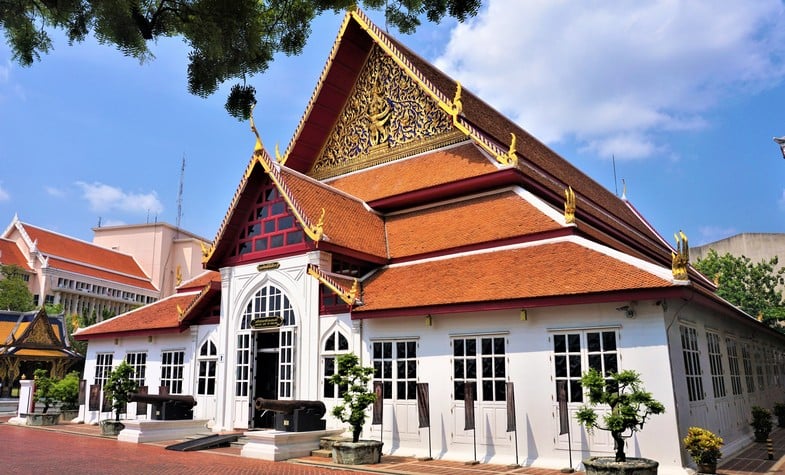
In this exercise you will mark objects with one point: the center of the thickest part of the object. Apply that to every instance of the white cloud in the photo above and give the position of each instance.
(609, 74)
(56, 192)
(4, 196)
(103, 198)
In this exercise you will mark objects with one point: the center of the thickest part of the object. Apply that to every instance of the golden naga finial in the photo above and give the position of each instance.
(457, 104)
(569, 205)
(178, 275)
(351, 296)
(258, 145)
(317, 229)
(179, 311)
(680, 258)
(205, 251)
(509, 158)
(278, 158)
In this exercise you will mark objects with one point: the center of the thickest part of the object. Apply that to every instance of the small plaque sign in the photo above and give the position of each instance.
(267, 322)
(268, 266)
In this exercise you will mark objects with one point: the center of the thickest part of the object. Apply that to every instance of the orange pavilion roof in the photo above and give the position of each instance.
(90, 259)
(469, 222)
(10, 254)
(544, 270)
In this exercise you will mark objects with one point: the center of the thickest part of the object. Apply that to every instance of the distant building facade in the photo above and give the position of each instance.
(126, 267)
(756, 246)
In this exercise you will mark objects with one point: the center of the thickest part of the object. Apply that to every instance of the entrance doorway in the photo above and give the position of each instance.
(265, 380)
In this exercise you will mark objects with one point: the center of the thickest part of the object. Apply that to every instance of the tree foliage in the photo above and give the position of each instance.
(751, 287)
(357, 397)
(228, 39)
(118, 387)
(14, 294)
(630, 405)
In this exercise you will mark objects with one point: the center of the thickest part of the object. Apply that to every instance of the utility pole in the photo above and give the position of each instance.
(180, 197)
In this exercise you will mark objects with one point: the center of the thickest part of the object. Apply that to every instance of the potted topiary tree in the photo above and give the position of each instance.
(779, 411)
(356, 399)
(43, 394)
(117, 388)
(704, 448)
(630, 406)
(66, 392)
(761, 423)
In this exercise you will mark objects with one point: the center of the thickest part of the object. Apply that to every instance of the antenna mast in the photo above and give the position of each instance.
(180, 196)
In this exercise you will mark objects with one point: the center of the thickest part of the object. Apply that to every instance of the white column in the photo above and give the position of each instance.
(26, 403)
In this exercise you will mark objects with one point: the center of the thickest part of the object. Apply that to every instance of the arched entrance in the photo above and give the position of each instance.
(265, 353)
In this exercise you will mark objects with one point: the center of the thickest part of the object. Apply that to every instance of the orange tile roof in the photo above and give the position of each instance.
(160, 315)
(454, 164)
(200, 281)
(483, 219)
(555, 269)
(10, 254)
(347, 222)
(106, 274)
(57, 245)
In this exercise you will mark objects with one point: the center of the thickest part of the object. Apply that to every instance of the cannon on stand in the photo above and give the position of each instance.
(294, 415)
(170, 407)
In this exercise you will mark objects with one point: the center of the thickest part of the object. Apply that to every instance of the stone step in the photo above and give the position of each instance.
(326, 443)
(322, 453)
(240, 442)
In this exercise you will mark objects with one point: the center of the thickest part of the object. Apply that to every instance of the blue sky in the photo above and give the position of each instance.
(685, 97)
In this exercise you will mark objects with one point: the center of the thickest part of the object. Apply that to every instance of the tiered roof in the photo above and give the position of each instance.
(173, 314)
(73, 255)
(453, 205)
(10, 255)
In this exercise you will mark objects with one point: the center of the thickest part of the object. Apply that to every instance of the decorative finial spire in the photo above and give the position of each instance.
(681, 258)
(569, 205)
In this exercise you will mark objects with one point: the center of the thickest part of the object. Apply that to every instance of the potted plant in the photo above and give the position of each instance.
(630, 406)
(117, 388)
(761, 423)
(66, 392)
(779, 411)
(356, 399)
(704, 448)
(43, 394)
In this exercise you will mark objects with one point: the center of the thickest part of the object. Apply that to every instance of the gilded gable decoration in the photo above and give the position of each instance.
(386, 110)
(569, 205)
(680, 258)
(350, 297)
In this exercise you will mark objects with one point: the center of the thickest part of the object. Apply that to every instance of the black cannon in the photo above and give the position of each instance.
(294, 415)
(170, 407)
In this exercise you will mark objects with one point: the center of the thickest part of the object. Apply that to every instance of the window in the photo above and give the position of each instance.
(103, 366)
(335, 344)
(270, 226)
(733, 364)
(747, 362)
(715, 364)
(759, 367)
(395, 365)
(205, 379)
(692, 366)
(243, 366)
(137, 361)
(491, 360)
(600, 352)
(172, 370)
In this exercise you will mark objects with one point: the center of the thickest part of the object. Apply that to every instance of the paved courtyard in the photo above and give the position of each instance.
(79, 449)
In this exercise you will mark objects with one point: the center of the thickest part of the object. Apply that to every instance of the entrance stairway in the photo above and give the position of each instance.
(326, 446)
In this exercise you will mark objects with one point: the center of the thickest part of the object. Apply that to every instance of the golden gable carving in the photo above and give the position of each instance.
(386, 113)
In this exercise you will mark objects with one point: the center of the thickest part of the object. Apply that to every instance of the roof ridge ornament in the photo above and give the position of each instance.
(350, 297)
(680, 258)
(569, 205)
(273, 170)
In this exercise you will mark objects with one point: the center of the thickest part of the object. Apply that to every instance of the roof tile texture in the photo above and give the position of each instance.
(453, 164)
(11, 255)
(483, 219)
(160, 315)
(555, 269)
(347, 222)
